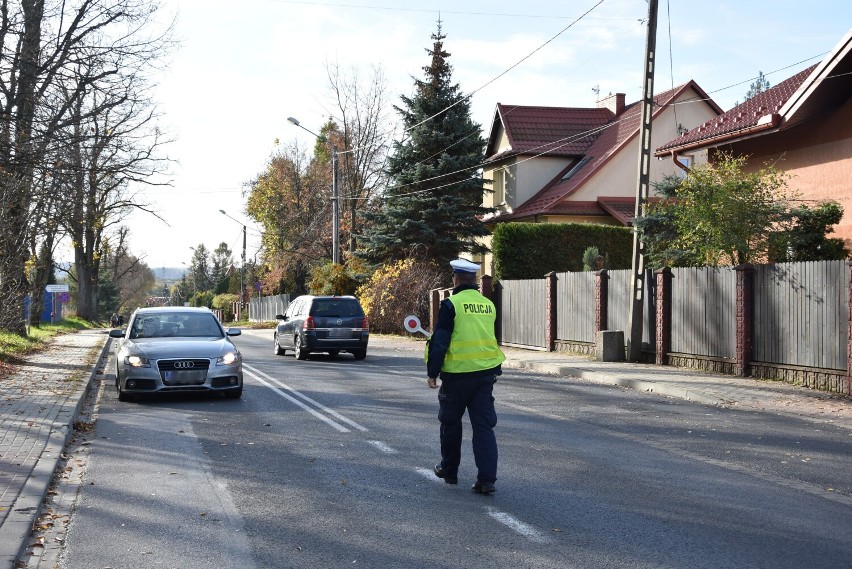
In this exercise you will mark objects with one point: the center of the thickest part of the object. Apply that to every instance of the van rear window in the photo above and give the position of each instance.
(336, 307)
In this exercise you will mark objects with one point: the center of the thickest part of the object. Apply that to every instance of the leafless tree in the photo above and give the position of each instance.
(63, 63)
(109, 151)
(362, 105)
(132, 278)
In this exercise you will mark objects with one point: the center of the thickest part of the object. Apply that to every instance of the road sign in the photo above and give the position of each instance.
(56, 288)
(63, 297)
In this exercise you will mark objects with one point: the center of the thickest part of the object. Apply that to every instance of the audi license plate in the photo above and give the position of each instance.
(184, 377)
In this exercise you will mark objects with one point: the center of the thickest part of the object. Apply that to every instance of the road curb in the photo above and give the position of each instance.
(621, 381)
(15, 532)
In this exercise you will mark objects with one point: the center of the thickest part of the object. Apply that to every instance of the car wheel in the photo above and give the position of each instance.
(301, 352)
(234, 393)
(279, 351)
(359, 354)
(333, 353)
(122, 395)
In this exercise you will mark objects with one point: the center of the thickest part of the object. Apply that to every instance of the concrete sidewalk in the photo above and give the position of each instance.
(41, 399)
(39, 402)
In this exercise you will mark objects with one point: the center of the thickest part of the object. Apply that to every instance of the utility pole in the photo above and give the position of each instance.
(242, 275)
(634, 341)
(335, 209)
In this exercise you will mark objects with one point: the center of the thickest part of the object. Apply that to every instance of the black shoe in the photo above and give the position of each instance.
(439, 472)
(483, 487)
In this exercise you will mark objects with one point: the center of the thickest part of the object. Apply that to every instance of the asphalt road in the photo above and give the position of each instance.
(327, 463)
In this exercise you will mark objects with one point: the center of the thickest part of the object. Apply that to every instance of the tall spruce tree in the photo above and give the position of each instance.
(431, 209)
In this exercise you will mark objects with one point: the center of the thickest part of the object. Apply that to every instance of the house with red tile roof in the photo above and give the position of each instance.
(802, 126)
(572, 165)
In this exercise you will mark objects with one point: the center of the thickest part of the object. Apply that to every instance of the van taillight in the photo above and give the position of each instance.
(364, 323)
(309, 323)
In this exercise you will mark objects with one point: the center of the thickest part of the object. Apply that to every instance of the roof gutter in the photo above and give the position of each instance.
(678, 163)
(766, 122)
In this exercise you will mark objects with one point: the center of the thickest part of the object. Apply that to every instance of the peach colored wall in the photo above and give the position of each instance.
(817, 155)
(524, 176)
(619, 176)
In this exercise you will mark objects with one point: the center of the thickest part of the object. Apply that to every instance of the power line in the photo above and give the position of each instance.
(520, 61)
(438, 10)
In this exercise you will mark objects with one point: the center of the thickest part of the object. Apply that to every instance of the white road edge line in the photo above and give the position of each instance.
(304, 397)
(316, 414)
(517, 525)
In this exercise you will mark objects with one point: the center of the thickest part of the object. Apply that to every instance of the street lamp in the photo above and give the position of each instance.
(242, 266)
(335, 208)
(191, 276)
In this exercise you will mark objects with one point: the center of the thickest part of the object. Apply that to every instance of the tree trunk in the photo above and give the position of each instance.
(17, 183)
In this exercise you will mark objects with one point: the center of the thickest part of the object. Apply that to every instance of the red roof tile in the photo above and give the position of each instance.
(742, 117)
(557, 131)
(611, 139)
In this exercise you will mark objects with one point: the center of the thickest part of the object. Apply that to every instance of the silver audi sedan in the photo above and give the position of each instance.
(176, 349)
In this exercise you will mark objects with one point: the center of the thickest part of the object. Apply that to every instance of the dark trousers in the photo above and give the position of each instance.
(475, 396)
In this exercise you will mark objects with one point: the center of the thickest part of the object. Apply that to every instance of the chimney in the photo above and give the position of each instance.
(615, 103)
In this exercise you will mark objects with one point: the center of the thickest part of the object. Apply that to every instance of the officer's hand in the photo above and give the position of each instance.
(432, 382)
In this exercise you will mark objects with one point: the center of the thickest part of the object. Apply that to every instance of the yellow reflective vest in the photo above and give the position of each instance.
(473, 346)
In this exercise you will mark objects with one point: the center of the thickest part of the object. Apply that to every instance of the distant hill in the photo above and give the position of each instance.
(168, 273)
(160, 273)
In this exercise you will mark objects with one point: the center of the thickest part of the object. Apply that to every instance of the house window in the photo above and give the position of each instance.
(570, 173)
(499, 186)
(687, 161)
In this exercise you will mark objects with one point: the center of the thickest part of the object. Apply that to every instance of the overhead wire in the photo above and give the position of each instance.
(585, 15)
(313, 3)
(504, 72)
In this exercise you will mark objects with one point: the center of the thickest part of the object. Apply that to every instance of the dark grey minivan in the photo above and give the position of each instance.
(330, 324)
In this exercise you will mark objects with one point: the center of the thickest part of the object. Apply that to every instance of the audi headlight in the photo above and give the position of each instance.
(137, 361)
(228, 359)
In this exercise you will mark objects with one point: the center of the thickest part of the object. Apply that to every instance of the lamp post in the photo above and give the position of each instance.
(335, 207)
(192, 277)
(242, 267)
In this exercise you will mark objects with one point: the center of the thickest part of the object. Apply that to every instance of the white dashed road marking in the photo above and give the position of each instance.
(383, 447)
(517, 525)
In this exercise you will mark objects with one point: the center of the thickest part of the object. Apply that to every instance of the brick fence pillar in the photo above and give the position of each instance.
(485, 287)
(745, 319)
(664, 315)
(434, 306)
(497, 299)
(601, 300)
(550, 311)
(849, 340)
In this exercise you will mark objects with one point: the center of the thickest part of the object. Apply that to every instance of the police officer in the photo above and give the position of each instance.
(464, 352)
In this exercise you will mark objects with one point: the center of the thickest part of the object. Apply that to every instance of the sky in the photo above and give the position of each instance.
(241, 68)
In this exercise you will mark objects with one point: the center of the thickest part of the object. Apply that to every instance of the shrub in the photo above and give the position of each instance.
(225, 303)
(338, 279)
(531, 250)
(398, 289)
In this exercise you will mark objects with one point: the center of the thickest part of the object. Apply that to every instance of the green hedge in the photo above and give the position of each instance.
(531, 250)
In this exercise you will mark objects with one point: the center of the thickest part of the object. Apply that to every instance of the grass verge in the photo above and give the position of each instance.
(13, 346)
